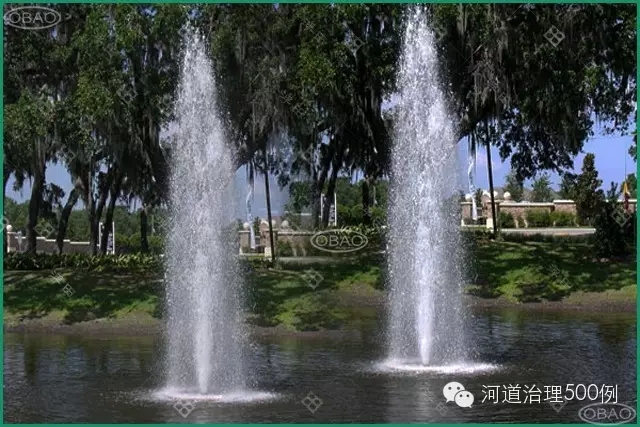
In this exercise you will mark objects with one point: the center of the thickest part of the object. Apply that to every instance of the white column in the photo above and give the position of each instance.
(99, 235)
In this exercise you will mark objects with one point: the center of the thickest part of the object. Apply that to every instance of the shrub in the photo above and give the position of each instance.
(311, 250)
(378, 215)
(477, 235)
(375, 234)
(615, 231)
(122, 244)
(547, 238)
(284, 249)
(256, 262)
(128, 244)
(518, 222)
(156, 244)
(344, 216)
(131, 244)
(507, 220)
(563, 219)
(538, 218)
(356, 215)
(24, 261)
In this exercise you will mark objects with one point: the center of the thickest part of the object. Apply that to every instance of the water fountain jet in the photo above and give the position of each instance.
(426, 322)
(204, 328)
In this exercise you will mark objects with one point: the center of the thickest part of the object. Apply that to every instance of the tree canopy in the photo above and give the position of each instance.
(302, 88)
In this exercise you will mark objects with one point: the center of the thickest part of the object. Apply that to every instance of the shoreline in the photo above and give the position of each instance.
(144, 325)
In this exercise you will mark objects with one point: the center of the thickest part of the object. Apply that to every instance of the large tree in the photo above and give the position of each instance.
(541, 189)
(38, 71)
(588, 194)
(539, 95)
(514, 186)
(567, 188)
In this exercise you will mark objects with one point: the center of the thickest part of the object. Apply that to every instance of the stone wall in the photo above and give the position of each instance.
(519, 209)
(245, 242)
(467, 207)
(466, 210)
(565, 206)
(48, 246)
(299, 241)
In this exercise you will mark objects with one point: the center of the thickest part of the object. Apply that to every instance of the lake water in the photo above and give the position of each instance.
(56, 378)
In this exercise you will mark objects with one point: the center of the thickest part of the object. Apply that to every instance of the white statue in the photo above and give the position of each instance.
(252, 233)
(470, 170)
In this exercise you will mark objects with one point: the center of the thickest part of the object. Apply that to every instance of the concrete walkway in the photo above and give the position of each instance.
(571, 231)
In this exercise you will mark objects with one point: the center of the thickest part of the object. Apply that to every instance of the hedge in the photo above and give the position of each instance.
(539, 218)
(564, 219)
(25, 261)
(507, 220)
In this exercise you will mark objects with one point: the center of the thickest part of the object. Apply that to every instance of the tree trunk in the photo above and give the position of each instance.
(490, 170)
(366, 202)
(115, 191)
(318, 187)
(91, 211)
(315, 198)
(331, 188)
(64, 217)
(34, 209)
(144, 242)
(7, 171)
(268, 194)
(97, 216)
(94, 223)
(316, 194)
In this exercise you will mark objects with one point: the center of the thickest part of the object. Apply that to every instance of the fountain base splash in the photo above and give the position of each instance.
(417, 367)
(169, 394)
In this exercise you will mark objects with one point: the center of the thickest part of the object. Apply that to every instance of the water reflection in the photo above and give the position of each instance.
(52, 378)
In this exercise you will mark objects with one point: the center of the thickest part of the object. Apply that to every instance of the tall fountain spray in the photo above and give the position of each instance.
(204, 334)
(426, 315)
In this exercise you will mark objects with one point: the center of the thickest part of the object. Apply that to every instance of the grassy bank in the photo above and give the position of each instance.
(329, 294)
(536, 271)
(73, 296)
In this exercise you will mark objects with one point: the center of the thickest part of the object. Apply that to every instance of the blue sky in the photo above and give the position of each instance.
(612, 160)
(611, 156)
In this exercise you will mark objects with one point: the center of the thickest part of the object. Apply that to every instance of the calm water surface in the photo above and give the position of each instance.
(49, 378)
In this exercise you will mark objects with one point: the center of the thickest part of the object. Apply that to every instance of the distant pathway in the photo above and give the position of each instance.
(582, 231)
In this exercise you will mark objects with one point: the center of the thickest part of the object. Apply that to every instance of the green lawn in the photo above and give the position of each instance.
(534, 271)
(322, 295)
(89, 294)
(330, 294)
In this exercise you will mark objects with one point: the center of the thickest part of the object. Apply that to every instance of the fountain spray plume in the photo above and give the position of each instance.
(426, 320)
(204, 333)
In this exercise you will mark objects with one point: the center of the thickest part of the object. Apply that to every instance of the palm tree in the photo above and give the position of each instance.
(479, 78)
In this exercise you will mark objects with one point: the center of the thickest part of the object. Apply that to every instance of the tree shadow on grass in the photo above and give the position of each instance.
(304, 288)
(545, 271)
(82, 295)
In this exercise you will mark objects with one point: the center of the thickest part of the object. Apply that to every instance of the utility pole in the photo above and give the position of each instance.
(490, 169)
(266, 183)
